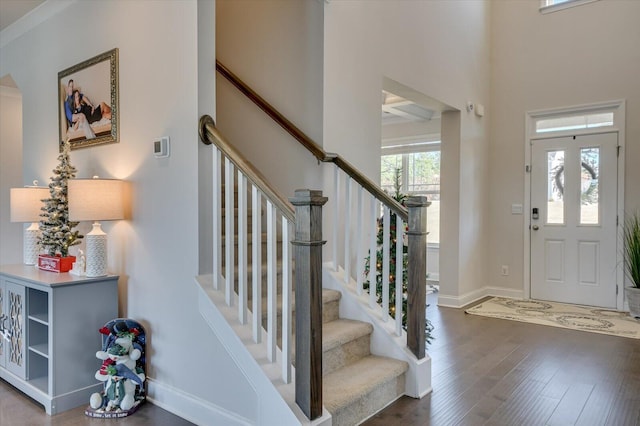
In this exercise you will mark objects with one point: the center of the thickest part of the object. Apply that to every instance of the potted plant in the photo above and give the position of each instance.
(631, 237)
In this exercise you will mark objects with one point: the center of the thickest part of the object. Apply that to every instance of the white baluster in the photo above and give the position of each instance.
(287, 302)
(359, 242)
(242, 248)
(336, 214)
(385, 263)
(399, 273)
(347, 231)
(217, 218)
(272, 291)
(229, 231)
(256, 279)
(373, 254)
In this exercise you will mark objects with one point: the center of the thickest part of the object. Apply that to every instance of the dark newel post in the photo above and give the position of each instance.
(417, 275)
(308, 292)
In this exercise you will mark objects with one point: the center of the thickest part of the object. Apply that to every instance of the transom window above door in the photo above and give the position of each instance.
(548, 6)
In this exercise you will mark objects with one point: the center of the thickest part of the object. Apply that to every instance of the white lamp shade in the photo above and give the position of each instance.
(95, 199)
(26, 203)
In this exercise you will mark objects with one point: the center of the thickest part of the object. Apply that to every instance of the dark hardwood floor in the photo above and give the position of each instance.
(496, 372)
(17, 409)
(485, 372)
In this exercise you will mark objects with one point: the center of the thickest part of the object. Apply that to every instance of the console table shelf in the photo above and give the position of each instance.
(53, 321)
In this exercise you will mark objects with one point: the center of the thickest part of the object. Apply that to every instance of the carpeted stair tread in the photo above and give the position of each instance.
(345, 386)
(338, 332)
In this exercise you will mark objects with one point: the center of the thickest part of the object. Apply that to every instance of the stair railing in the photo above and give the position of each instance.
(415, 216)
(302, 228)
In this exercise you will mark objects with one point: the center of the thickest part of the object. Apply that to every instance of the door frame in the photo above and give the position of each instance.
(618, 108)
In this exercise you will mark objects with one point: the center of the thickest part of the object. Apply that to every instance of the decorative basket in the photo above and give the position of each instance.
(55, 263)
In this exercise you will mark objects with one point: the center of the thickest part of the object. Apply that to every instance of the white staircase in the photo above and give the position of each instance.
(249, 303)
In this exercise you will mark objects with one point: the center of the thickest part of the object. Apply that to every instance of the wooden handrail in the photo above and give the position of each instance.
(209, 134)
(265, 106)
(311, 145)
(371, 187)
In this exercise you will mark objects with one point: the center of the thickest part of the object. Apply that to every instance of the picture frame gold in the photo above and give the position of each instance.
(88, 110)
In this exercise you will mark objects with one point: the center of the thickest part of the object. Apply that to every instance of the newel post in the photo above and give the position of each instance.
(307, 246)
(417, 275)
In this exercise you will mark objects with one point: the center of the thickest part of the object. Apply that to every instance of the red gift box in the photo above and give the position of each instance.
(55, 263)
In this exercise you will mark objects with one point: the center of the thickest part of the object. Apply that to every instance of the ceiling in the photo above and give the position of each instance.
(12, 10)
(396, 110)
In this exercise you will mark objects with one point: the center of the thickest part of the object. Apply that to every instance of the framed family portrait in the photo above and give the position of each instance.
(88, 102)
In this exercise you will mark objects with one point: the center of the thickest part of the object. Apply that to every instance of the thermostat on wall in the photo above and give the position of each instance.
(161, 147)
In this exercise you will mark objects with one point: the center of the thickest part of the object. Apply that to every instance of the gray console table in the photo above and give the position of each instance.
(51, 324)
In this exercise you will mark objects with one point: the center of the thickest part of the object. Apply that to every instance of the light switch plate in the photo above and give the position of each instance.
(516, 208)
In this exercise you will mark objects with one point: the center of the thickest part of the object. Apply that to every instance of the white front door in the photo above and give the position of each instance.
(573, 219)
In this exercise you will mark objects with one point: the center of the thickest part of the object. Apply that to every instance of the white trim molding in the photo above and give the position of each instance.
(190, 407)
(475, 295)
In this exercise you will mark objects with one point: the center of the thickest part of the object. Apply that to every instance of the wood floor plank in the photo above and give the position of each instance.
(516, 406)
(624, 412)
(596, 410)
(17, 409)
(571, 405)
(496, 372)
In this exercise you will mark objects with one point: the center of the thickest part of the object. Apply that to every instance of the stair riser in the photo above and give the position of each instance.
(345, 354)
(330, 311)
(370, 403)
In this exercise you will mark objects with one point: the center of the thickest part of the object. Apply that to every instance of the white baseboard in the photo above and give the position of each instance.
(472, 296)
(190, 407)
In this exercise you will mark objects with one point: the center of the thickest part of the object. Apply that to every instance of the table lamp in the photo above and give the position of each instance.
(96, 199)
(26, 204)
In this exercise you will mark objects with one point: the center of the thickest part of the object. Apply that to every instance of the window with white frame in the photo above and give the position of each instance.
(419, 173)
(584, 121)
(547, 6)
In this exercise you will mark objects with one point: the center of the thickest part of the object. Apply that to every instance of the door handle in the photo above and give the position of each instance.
(535, 227)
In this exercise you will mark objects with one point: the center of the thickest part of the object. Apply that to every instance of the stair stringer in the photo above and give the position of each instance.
(276, 398)
(384, 341)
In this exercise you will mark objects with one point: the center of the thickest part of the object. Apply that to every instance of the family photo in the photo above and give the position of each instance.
(88, 101)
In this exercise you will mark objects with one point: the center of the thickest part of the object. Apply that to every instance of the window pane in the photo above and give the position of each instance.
(388, 166)
(424, 174)
(555, 187)
(575, 122)
(589, 186)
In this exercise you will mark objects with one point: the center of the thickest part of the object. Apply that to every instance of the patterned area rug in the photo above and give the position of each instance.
(574, 317)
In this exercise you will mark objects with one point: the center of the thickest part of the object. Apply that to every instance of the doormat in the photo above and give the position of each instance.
(574, 317)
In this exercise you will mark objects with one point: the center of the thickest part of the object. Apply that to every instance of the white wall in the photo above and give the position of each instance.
(440, 49)
(11, 175)
(409, 130)
(565, 58)
(276, 48)
(156, 252)
(206, 106)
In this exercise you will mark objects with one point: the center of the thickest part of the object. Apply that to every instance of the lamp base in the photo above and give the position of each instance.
(96, 252)
(30, 244)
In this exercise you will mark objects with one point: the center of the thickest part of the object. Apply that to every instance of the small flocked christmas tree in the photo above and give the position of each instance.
(57, 230)
(393, 234)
